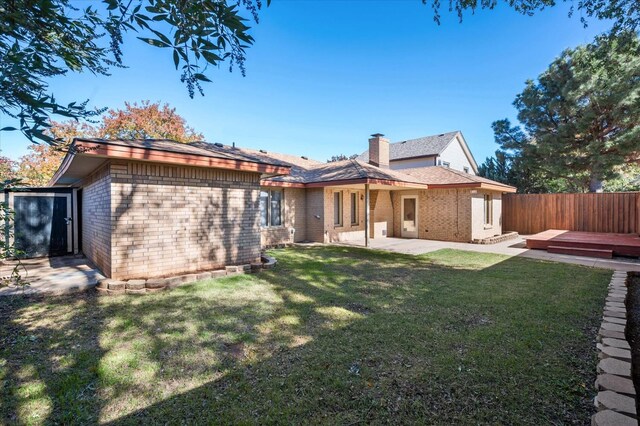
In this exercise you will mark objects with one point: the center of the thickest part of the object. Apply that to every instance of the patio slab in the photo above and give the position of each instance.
(514, 247)
(55, 275)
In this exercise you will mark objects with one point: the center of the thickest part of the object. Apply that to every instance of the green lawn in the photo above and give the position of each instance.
(332, 335)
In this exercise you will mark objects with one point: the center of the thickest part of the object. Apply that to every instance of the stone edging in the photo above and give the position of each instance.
(616, 399)
(497, 238)
(153, 285)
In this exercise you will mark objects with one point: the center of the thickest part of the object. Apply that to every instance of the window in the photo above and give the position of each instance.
(446, 164)
(466, 169)
(488, 209)
(337, 208)
(354, 208)
(271, 207)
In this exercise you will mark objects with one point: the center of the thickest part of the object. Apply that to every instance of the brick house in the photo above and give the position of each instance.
(327, 202)
(159, 208)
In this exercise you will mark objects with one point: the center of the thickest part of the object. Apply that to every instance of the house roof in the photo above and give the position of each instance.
(95, 151)
(205, 149)
(277, 169)
(291, 160)
(443, 177)
(420, 147)
(311, 173)
(341, 172)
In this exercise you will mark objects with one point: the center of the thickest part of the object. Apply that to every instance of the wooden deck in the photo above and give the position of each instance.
(593, 244)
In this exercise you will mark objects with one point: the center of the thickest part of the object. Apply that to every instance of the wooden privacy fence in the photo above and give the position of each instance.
(617, 212)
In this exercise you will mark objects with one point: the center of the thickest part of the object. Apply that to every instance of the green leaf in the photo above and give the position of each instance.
(210, 57)
(201, 77)
(154, 42)
(162, 37)
(176, 58)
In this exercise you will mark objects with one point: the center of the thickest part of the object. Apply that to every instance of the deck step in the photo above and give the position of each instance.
(579, 251)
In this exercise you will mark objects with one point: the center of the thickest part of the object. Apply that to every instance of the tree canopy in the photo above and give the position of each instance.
(579, 121)
(624, 14)
(145, 120)
(42, 39)
(341, 157)
(7, 170)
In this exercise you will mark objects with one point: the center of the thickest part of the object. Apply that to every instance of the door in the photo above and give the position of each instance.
(409, 216)
(42, 224)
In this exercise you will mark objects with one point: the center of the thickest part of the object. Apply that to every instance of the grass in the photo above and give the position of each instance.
(332, 335)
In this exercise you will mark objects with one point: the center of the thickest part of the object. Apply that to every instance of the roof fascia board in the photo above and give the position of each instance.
(465, 147)
(500, 188)
(64, 165)
(133, 153)
(471, 185)
(275, 183)
(387, 182)
(415, 157)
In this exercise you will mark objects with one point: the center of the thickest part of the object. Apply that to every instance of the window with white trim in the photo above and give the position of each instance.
(271, 207)
(337, 208)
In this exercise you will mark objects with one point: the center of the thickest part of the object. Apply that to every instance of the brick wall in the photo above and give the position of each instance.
(169, 220)
(347, 231)
(294, 218)
(382, 215)
(96, 219)
(443, 214)
(446, 215)
(315, 214)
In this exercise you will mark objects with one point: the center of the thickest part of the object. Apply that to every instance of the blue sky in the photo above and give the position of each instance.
(324, 75)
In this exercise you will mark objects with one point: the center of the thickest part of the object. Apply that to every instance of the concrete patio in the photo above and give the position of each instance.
(515, 247)
(55, 275)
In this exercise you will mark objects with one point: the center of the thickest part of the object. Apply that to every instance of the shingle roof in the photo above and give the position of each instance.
(299, 165)
(420, 147)
(204, 149)
(304, 171)
(439, 175)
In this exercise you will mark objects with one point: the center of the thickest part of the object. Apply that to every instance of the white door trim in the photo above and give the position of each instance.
(403, 233)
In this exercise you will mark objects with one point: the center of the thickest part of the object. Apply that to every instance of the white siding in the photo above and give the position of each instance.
(479, 229)
(411, 163)
(455, 156)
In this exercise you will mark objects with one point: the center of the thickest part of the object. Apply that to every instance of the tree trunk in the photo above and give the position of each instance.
(595, 184)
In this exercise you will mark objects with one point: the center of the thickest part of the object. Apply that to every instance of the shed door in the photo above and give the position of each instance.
(42, 224)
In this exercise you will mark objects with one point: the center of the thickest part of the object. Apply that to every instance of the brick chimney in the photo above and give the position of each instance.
(379, 151)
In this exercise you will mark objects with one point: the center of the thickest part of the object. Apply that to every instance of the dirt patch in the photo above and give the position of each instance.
(633, 327)
(358, 308)
(236, 350)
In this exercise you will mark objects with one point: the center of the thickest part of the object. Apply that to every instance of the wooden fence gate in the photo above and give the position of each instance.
(617, 212)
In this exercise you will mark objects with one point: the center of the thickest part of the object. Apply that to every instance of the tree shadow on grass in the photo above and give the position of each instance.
(360, 337)
(49, 355)
(333, 335)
